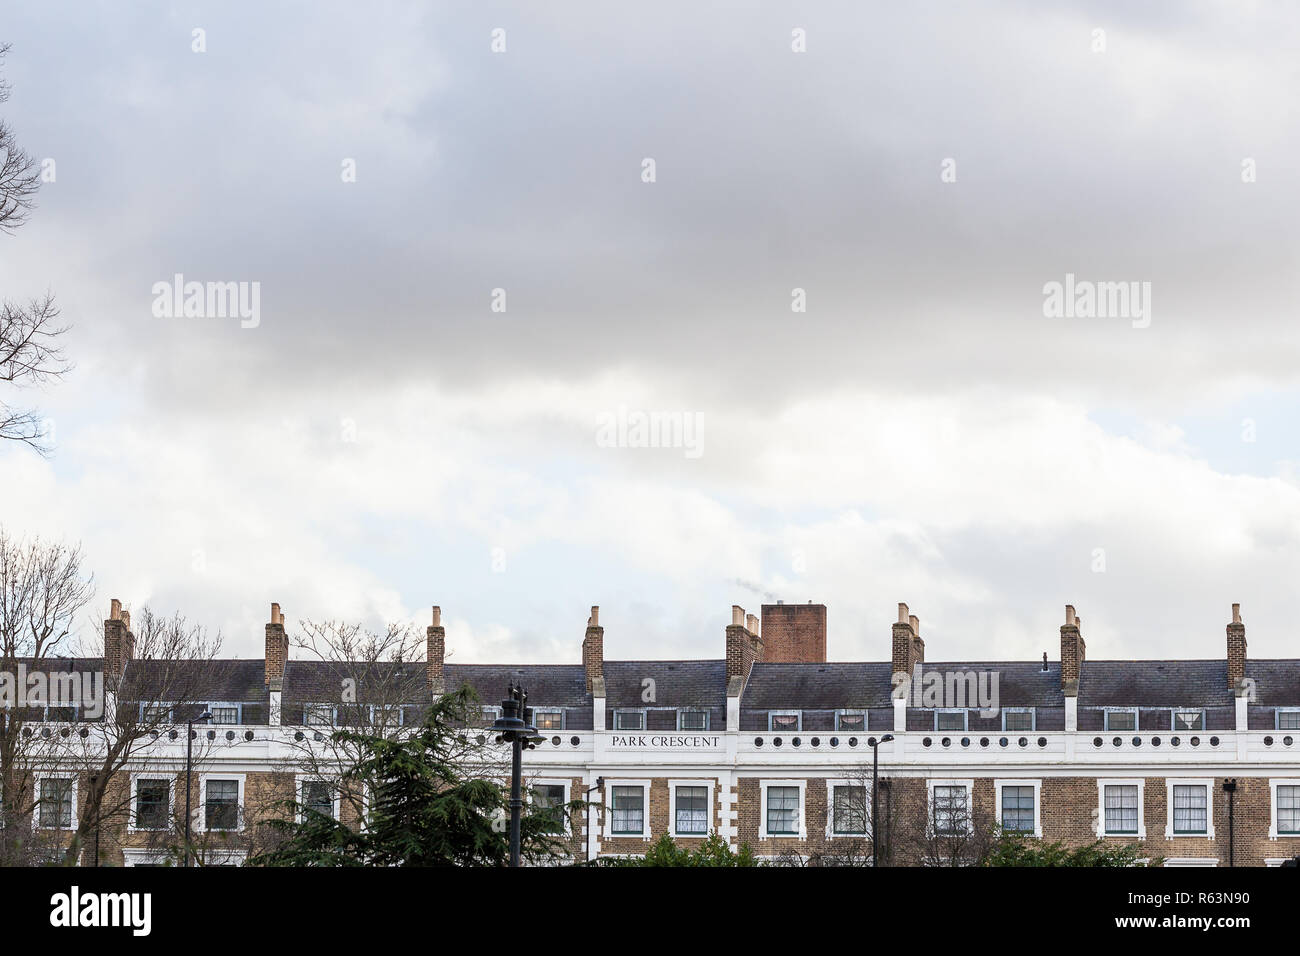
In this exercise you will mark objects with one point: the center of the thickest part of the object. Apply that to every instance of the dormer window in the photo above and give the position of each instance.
(784, 721)
(1189, 720)
(851, 721)
(692, 720)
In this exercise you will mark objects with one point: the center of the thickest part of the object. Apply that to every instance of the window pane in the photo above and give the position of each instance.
(1190, 811)
(950, 721)
(56, 803)
(151, 804)
(1189, 720)
(1018, 720)
(627, 805)
(783, 810)
(849, 810)
(1288, 809)
(693, 720)
(627, 720)
(787, 723)
(318, 795)
(550, 719)
(851, 722)
(950, 815)
(1288, 720)
(1122, 809)
(1018, 809)
(549, 798)
(222, 810)
(224, 715)
(1121, 720)
(693, 810)
(318, 715)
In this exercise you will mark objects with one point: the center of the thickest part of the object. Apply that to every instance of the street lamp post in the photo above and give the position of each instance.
(514, 726)
(189, 761)
(875, 793)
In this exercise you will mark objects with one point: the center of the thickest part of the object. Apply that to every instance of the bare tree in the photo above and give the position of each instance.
(43, 587)
(30, 347)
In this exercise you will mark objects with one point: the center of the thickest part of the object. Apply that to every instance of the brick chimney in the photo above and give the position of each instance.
(436, 635)
(1072, 652)
(794, 633)
(119, 642)
(593, 649)
(277, 649)
(744, 645)
(908, 648)
(1236, 650)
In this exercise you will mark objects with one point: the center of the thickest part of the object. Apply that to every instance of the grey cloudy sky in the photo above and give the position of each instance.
(922, 433)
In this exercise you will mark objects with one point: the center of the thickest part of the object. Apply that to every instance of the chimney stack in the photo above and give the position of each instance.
(794, 633)
(744, 645)
(593, 649)
(277, 649)
(1072, 652)
(436, 635)
(119, 642)
(908, 648)
(1236, 651)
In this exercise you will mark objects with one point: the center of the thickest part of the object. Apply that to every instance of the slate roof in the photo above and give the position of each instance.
(1154, 684)
(227, 680)
(676, 683)
(548, 685)
(322, 681)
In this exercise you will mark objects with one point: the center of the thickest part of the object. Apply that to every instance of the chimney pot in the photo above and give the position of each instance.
(437, 616)
(275, 614)
(1069, 614)
(1236, 614)
(594, 620)
(902, 614)
(737, 615)
(115, 612)
(915, 623)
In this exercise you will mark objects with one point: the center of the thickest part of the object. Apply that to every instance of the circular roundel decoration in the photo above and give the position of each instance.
(965, 741)
(45, 734)
(1214, 741)
(984, 741)
(1003, 742)
(1118, 741)
(84, 733)
(926, 741)
(248, 735)
(795, 741)
(1268, 741)
(947, 741)
(65, 732)
(1155, 741)
(1175, 741)
(1042, 741)
(871, 741)
(481, 739)
(776, 741)
(853, 741)
(1096, 741)
(574, 740)
(1195, 741)
(298, 736)
(230, 735)
(555, 741)
(1137, 741)
(835, 741)
(816, 741)
(1288, 741)
(758, 741)
(1023, 741)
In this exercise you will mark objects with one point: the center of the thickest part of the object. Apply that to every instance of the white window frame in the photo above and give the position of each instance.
(831, 786)
(1173, 719)
(851, 712)
(1273, 784)
(335, 785)
(1277, 718)
(157, 705)
(318, 706)
(136, 777)
(1191, 861)
(683, 711)
(644, 784)
(225, 705)
(796, 714)
(1033, 722)
(930, 784)
(549, 710)
(1102, 784)
(201, 825)
(801, 816)
(1208, 784)
(1001, 782)
(629, 710)
(1137, 723)
(140, 856)
(564, 802)
(76, 817)
(672, 806)
(965, 720)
